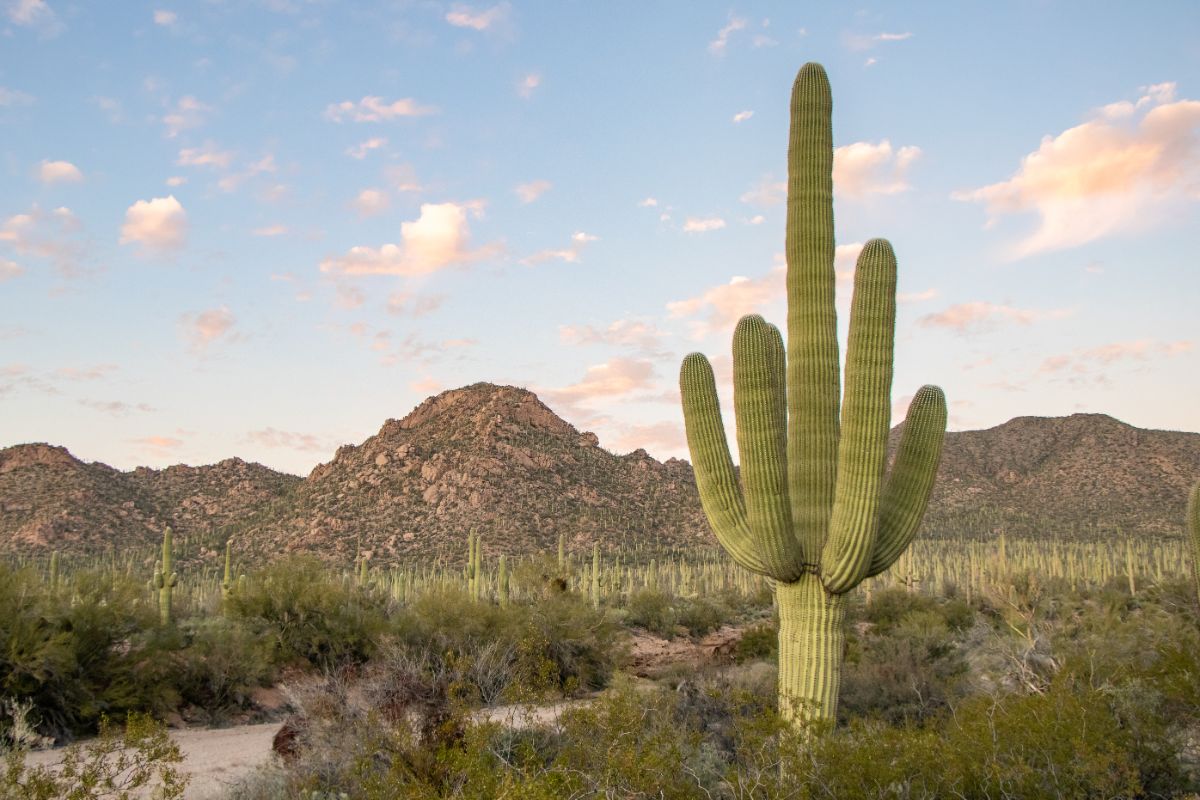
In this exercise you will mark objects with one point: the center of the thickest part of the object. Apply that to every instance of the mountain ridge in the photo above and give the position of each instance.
(498, 460)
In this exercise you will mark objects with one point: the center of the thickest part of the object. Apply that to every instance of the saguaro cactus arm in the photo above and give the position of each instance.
(910, 480)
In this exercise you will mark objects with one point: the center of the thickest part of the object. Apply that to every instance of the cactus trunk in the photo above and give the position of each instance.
(812, 640)
(1193, 531)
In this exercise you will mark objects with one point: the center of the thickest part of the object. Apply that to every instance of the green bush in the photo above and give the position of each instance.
(652, 610)
(308, 615)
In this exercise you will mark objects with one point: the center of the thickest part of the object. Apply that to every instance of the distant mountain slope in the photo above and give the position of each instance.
(492, 458)
(1085, 472)
(495, 459)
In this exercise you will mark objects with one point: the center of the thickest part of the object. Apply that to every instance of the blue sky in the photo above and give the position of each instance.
(262, 228)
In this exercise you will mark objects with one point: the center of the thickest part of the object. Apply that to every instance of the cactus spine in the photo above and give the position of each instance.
(165, 578)
(814, 511)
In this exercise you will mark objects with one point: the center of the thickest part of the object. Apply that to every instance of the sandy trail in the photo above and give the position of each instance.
(215, 758)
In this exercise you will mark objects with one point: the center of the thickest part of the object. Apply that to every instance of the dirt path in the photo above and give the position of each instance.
(215, 758)
(218, 757)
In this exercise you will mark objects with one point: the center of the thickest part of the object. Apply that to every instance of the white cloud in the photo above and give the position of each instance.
(437, 239)
(464, 16)
(648, 202)
(10, 270)
(979, 316)
(860, 42)
(176, 180)
(363, 149)
(270, 230)
(207, 327)
(655, 437)
(375, 109)
(158, 225)
(742, 116)
(58, 172)
(528, 192)
(188, 113)
(371, 202)
(863, 168)
(206, 156)
(703, 224)
(527, 84)
(165, 18)
(718, 45)
(1133, 166)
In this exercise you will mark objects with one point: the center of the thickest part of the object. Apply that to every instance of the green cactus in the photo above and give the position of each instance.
(227, 580)
(1193, 529)
(165, 579)
(502, 581)
(816, 513)
(55, 581)
(595, 575)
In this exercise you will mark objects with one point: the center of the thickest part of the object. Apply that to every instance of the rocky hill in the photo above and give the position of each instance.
(495, 459)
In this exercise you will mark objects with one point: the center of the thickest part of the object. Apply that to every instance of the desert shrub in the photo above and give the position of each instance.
(118, 762)
(701, 615)
(653, 610)
(218, 665)
(77, 657)
(308, 615)
(903, 673)
(758, 642)
(584, 644)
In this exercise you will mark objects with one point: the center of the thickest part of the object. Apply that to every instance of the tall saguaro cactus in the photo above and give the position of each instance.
(814, 510)
(165, 578)
(1193, 529)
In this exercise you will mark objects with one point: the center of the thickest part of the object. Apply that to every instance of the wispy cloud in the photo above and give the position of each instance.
(719, 45)
(742, 116)
(980, 316)
(207, 155)
(617, 377)
(363, 149)
(206, 327)
(187, 113)
(479, 19)
(858, 42)
(638, 335)
(12, 97)
(164, 18)
(289, 440)
(52, 235)
(1084, 361)
(529, 83)
(528, 192)
(10, 270)
(569, 254)
(1133, 166)
(376, 109)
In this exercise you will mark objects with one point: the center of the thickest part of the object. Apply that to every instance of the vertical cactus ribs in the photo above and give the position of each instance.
(814, 509)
